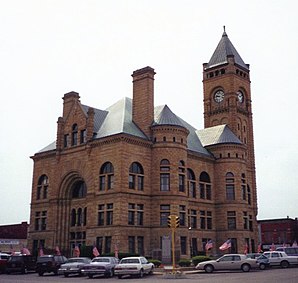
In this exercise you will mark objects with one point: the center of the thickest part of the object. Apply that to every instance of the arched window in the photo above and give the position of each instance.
(42, 187)
(106, 176)
(230, 186)
(73, 217)
(181, 170)
(136, 177)
(205, 186)
(243, 186)
(74, 134)
(191, 183)
(164, 175)
(79, 190)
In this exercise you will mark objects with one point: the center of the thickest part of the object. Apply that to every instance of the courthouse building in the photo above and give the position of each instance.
(113, 176)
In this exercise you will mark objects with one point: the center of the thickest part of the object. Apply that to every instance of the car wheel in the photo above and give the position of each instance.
(66, 274)
(90, 276)
(284, 264)
(119, 276)
(245, 267)
(209, 268)
(40, 273)
(151, 270)
(24, 271)
(112, 273)
(262, 266)
(141, 273)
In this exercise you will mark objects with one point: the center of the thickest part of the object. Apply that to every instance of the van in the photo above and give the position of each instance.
(289, 250)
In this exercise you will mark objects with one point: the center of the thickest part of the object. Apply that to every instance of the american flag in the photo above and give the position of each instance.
(226, 245)
(76, 251)
(26, 251)
(41, 253)
(260, 248)
(95, 251)
(245, 249)
(209, 245)
(116, 251)
(57, 250)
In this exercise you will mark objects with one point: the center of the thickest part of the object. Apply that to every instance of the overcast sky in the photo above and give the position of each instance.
(48, 48)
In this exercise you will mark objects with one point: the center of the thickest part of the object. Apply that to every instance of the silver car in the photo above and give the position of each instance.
(229, 262)
(73, 266)
(100, 266)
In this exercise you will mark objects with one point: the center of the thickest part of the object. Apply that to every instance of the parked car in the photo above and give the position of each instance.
(289, 250)
(278, 258)
(262, 260)
(49, 263)
(73, 266)
(134, 266)
(21, 263)
(229, 262)
(100, 266)
(3, 261)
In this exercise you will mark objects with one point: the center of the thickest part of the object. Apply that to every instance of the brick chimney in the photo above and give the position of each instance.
(143, 99)
(70, 99)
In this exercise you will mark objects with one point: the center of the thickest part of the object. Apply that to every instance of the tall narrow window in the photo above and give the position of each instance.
(83, 136)
(131, 214)
(109, 214)
(191, 183)
(74, 134)
(231, 219)
(106, 176)
(181, 170)
(183, 245)
(243, 186)
(164, 213)
(230, 186)
(248, 195)
(140, 214)
(100, 218)
(136, 177)
(42, 187)
(140, 240)
(131, 244)
(182, 215)
(205, 186)
(193, 219)
(66, 141)
(73, 217)
(164, 175)
(108, 244)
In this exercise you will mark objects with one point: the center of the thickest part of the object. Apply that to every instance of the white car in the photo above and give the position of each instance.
(278, 258)
(229, 262)
(134, 266)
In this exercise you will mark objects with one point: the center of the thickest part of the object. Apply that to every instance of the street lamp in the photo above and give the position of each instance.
(190, 246)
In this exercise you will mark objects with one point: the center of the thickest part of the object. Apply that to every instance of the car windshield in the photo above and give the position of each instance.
(101, 260)
(44, 259)
(15, 259)
(130, 260)
(72, 260)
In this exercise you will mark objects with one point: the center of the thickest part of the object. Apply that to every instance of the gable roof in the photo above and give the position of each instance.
(117, 119)
(224, 49)
(220, 134)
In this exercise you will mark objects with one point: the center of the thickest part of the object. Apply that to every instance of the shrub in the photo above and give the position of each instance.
(200, 258)
(184, 262)
(156, 262)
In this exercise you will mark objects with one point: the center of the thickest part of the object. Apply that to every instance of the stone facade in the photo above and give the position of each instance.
(116, 190)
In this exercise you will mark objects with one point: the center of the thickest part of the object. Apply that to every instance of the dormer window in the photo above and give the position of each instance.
(74, 134)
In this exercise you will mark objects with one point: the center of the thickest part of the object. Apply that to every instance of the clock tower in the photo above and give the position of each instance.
(227, 97)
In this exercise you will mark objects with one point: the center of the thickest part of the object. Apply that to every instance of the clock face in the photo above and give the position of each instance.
(219, 96)
(240, 96)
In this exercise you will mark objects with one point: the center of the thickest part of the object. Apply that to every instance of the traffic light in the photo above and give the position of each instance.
(173, 221)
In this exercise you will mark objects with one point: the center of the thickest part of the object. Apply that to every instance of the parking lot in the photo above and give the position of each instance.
(274, 275)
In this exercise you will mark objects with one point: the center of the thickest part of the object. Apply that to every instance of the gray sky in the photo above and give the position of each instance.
(48, 48)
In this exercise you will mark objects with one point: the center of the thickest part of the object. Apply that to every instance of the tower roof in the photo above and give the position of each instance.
(224, 49)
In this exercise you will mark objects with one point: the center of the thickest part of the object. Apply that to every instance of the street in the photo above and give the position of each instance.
(276, 275)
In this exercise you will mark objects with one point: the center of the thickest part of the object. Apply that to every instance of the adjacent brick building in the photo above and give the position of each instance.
(113, 176)
(13, 237)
